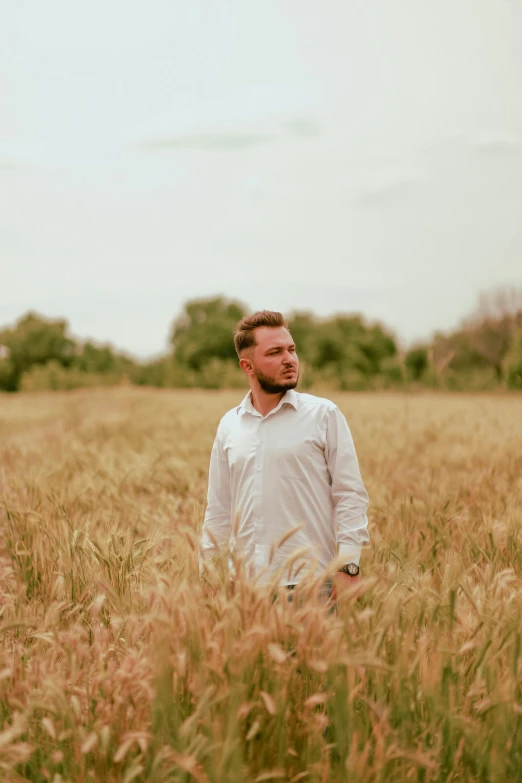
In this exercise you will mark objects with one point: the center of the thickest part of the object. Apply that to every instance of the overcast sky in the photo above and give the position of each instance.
(348, 155)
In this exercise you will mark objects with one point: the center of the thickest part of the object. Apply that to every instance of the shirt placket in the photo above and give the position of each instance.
(261, 547)
(258, 482)
(261, 553)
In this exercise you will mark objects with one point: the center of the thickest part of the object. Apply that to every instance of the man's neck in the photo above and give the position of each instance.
(263, 402)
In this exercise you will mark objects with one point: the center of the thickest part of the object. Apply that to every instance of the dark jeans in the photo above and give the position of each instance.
(325, 594)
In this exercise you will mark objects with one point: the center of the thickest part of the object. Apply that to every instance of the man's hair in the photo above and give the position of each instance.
(244, 336)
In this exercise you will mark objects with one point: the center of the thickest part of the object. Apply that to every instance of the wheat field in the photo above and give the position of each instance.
(118, 663)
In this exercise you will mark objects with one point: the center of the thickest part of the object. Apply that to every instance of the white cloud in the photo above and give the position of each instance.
(496, 141)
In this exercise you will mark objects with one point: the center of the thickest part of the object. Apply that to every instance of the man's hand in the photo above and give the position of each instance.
(344, 583)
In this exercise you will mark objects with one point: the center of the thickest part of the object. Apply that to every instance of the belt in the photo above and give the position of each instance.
(327, 585)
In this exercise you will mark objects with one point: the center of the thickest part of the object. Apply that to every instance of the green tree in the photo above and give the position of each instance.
(151, 373)
(34, 340)
(513, 362)
(351, 344)
(93, 358)
(103, 359)
(417, 362)
(303, 328)
(204, 331)
(377, 345)
(8, 375)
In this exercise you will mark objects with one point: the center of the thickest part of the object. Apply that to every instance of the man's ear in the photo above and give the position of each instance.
(246, 364)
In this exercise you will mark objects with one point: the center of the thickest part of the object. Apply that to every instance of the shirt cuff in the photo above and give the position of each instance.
(349, 553)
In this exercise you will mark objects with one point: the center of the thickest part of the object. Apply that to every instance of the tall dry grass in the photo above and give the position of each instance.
(117, 663)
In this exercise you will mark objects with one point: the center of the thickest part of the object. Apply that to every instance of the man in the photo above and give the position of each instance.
(283, 459)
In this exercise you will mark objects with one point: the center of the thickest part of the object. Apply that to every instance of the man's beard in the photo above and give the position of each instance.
(271, 386)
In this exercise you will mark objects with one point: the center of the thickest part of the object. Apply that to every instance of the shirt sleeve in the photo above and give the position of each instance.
(349, 495)
(217, 525)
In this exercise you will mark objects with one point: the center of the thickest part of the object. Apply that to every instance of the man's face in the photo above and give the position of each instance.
(274, 359)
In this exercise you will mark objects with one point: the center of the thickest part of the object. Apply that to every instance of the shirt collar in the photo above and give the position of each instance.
(290, 397)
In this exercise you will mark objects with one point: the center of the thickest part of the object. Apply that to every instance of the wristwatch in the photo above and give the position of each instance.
(350, 568)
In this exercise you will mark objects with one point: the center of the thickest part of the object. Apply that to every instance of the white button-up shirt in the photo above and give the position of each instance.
(296, 466)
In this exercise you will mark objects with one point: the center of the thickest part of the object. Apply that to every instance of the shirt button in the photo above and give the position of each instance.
(259, 469)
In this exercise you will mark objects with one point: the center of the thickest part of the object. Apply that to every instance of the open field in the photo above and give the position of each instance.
(117, 663)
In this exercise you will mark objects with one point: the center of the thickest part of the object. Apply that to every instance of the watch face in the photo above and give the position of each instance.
(353, 569)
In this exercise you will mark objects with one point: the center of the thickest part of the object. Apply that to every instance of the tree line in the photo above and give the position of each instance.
(344, 352)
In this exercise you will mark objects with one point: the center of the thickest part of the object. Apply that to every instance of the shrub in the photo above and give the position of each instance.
(478, 379)
(513, 363)
(392, 372)
(221, 374)
(8, 375)
(353, 380)
(54, 377)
